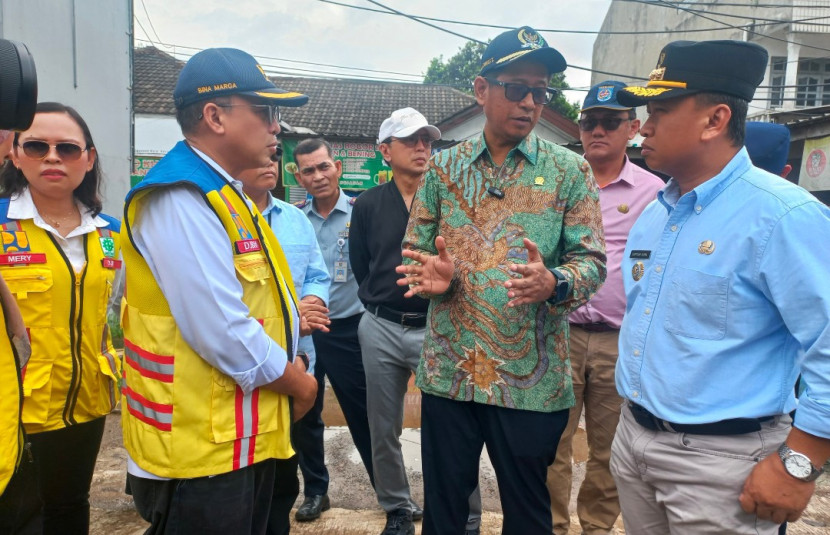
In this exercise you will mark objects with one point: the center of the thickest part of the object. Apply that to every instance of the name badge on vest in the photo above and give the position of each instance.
(640, 254)
(22, 259)
(247, 246)
(111, 263)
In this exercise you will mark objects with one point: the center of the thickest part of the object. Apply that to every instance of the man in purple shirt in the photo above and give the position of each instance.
(605, 127)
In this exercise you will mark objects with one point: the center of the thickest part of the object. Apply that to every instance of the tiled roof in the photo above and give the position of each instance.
(339, 107)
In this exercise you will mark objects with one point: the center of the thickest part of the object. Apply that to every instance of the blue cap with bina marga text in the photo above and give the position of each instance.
(217, 72)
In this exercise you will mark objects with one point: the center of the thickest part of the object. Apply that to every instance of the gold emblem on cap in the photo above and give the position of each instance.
(706, 247)
(540, 180)
(623, 208)
(657, 74)
(661, 59)
(530, 39)
(645, 91)
(638, 270)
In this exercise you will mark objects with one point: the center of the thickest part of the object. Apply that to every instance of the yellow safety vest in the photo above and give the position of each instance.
(72, 374)
(182, 417)
(11, 433)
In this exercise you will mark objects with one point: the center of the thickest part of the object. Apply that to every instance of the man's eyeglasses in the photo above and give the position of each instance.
(517, 92)
(268, 112)
(609, 124)
(37, 150)
(412, 141)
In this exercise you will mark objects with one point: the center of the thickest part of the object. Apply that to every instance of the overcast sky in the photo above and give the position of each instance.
(319, 32)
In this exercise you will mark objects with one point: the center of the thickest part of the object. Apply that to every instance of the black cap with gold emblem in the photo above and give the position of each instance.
(687, 67)
(522, 43)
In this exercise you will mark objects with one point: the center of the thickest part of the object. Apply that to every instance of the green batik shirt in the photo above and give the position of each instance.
(476, 348)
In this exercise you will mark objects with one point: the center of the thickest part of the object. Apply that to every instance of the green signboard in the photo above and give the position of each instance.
(141, 165)
(363, 165)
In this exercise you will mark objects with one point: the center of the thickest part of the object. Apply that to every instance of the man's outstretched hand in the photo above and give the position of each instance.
(431, 275)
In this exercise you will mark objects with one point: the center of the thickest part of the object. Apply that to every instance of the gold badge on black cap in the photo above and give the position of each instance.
(638, 270)
(706, 247)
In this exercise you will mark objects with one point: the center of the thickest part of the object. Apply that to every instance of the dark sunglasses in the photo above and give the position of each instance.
(517, 92)
(268, 112)
(609, 124)
(412, 141)
(37, 150)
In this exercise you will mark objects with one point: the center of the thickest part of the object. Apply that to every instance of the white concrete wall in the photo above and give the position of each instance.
(82, 50)
(636, 55)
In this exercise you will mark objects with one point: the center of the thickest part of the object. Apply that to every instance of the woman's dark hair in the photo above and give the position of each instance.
(12, 180)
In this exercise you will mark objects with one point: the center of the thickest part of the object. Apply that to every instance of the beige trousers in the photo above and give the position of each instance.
(593, 359)
(679, 483)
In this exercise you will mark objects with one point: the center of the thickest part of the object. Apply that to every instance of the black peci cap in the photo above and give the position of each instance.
(688, 67)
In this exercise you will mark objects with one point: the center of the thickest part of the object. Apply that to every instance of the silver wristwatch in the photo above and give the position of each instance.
(798, 465)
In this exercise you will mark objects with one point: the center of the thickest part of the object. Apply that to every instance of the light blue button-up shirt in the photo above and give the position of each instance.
(308, 270)
(333, 237)
(728, 300)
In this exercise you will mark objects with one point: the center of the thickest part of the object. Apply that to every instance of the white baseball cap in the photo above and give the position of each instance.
(404, 123)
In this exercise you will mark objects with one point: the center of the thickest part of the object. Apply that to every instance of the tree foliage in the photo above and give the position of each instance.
(459, 71)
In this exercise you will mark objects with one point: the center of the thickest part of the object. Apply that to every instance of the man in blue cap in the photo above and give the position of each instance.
(505, 238)
(211, 318)
(768, 145)
(727, 302)
(605, 128)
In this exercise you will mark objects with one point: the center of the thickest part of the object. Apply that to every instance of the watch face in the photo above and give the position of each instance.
(798, 466)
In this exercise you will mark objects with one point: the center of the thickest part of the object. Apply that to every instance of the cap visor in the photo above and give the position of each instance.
(634, 96)
(281, 98)
(549, 57)
(434, 133)
(606, 107)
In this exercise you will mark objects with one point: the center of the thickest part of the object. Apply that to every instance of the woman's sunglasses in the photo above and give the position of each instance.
(37, 150)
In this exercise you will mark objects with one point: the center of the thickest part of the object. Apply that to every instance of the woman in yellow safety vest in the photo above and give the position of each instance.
(59, 259)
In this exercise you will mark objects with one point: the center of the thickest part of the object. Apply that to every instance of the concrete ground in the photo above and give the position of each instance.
(354, 508)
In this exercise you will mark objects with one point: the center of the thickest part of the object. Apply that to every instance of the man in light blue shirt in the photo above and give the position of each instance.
(727, 301)
(296, 237)
(338, 349)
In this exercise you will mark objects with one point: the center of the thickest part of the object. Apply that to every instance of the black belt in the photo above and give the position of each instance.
(735, 426)
(596, 327)
(405, 319)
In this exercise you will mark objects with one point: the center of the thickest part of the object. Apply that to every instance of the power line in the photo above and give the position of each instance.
(551, 30)
(150, 21)
(174, 46)
(426, 23)
(662, 3)
(149, 40)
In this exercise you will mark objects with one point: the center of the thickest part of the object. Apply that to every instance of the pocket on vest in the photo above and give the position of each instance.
(37, 391)
(235, 415)
(30, 286)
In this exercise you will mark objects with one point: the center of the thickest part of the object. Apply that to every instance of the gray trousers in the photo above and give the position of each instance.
(391, 353)
(678, 483)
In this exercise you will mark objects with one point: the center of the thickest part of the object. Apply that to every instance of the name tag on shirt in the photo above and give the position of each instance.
(16, 259)
(247, 246)
(110, 263)
(340, 268)
(642, 255)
